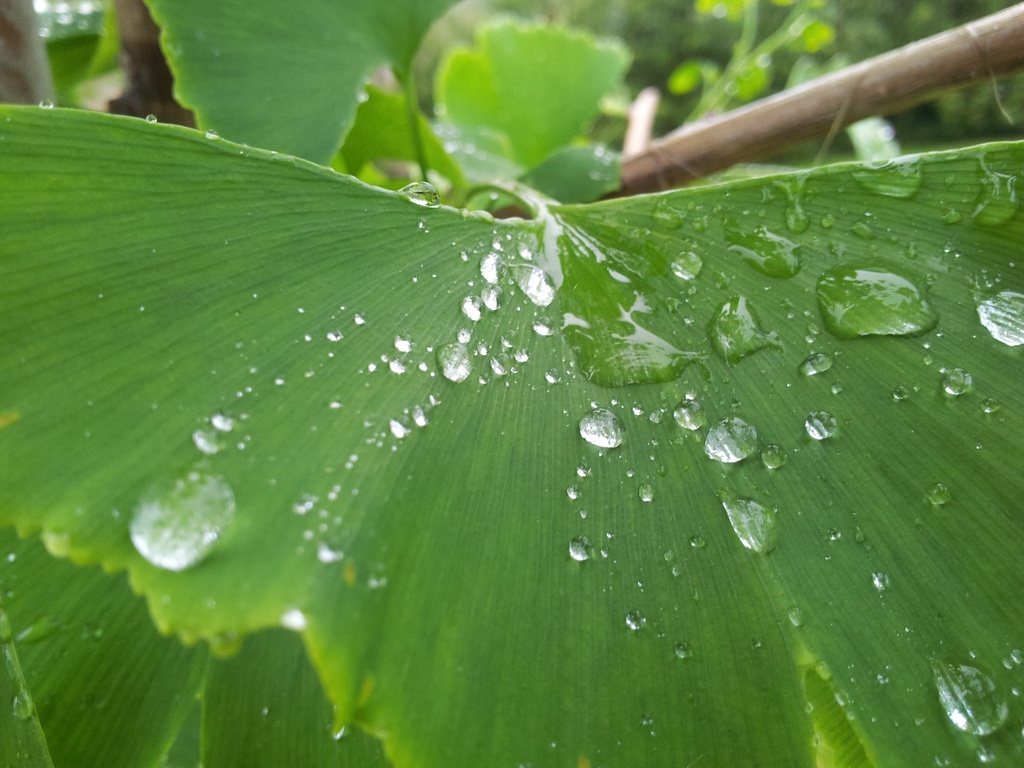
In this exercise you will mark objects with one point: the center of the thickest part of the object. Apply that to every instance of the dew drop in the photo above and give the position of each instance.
(697, 542)
(796, 616)
(602, 428)
(735, 332)
(535, 283)
(687, 266)
(635, 620)
(881, 580)
(988, 405)
(957, 382)
(997, 200)
(21, 704)
(689, 415)
(421, 193)
(866, 301)
(895, 178)
(206, 440)
(666, 215)
(814, 364)
(176, 530)
(730, 441)
(646, 493)
(820, 425)
(455, 362)
(543, 326)
(1003, 317)
(682, 650)
(938, 494)
(580, 548)
(471, 307)
(768, 253)
(752, 522)
(773, 456)
(969, 698)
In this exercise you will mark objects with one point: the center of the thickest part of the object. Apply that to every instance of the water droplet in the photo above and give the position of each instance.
(938, 495)
(896, 178)
(988, 405)
(1003, 317)
(580, 548)
(730, 441)
(646, 493)
(602, 428)
(21, 704)
(398, 429)
(206, 440)
(212, 135)
(293, 619)
(900, 393)
(46, 104)
(814, 364)
(863, 231)
(150, 118)
(866, 301)
(176, 530)
(471, 307)
(689, 415)
(327, 554)
(957, 382)
(735, 332)
(635, 620)
(768, 253)
(535, 283)
(543, 326)
(222, 423)
(952, 216)
(881, 580)
(421, 193)
(682, 650)
(796, 616)
(753, 523)
(697, 542)
(773, 456)
(970, 698)
(820, 425)
(455, 362)
(687, 266)
(997, 200)
(666, 215)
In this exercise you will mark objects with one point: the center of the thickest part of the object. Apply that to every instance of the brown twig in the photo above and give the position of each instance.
(985, 49)
(24, 69)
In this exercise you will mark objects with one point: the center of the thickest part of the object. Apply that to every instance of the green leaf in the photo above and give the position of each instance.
(507, 84)
(21, 737)
(576, 174)
(381, 132)
(299, 95)
(492, 558)
(687, 76)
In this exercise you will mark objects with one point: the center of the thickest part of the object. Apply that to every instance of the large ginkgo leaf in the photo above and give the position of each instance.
(286, 78)
(724, 476)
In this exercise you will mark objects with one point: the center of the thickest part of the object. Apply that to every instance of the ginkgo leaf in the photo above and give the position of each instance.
(727, 475)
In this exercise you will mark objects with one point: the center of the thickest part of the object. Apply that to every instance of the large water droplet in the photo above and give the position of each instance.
(730, 441)
(455, 362)
(895, 178)
(580, 548)
(773, 456)
(735, 332)
(753, 523)
(957, 381)
(689, 415)
(814, 364)
(858, 300)
(602, 428)
(177, 529)
(770, 254)
(1003, 317)
(970, 698)
(535, 283)
(820, 425)
(687, 266)
(421, 193)
(997, 200)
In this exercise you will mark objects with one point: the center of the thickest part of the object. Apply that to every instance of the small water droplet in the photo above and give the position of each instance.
(900, 393)
(212, 135)
(535, 283)
(969, 698)
(21, 704)
(635, 620)
(1003, 317)
(646, 493)
(858, 300)
(150, 118)
(730, 441)
(602, 428)
(697, 542)
(682, 650)
(471, 307)
(687, 266)
(177, 529)
(820, 425)
(896, 178)
(881, 580)
(735, 332)
(938, 494)
(773, 456)
(666, 215)
(957, 382)
(768, 253)
(752, 522)
(46, 104)
(952, 216)
(421, 193)
(207, 441)
(455, 362)
(796, 616)
(997, 200)
(814, 364)
(543, 326)
(988, 405)
(580, 548)
(689, 415)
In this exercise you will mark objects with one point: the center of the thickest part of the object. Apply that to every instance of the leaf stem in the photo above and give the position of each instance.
(412, 106)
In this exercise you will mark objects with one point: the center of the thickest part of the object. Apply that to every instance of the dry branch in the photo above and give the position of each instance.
(982, 50)
(24, 68)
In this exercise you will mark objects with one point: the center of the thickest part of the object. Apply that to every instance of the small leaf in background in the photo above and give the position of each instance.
(576, 174)
(687, 76)
(299, 95)
(753, 79)
(816, 36)
(505, 84)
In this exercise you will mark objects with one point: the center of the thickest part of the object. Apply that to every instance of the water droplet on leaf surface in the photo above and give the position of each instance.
(689, 415)
(768, 253)
(896, 178)
(1003, 317)
(176, 530)
(735, 332)
(687, 266)
(454, 361)
(938, 495)
(773, 456)
(752, 522)
(820, 425)
(997, 201)
(421, 193)
(858, 300)
(970, 699)
(580, 549)
(814, 364)
(635, 620)
(535, 283)
(730, 441)
(957, 382)
(602, 428)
